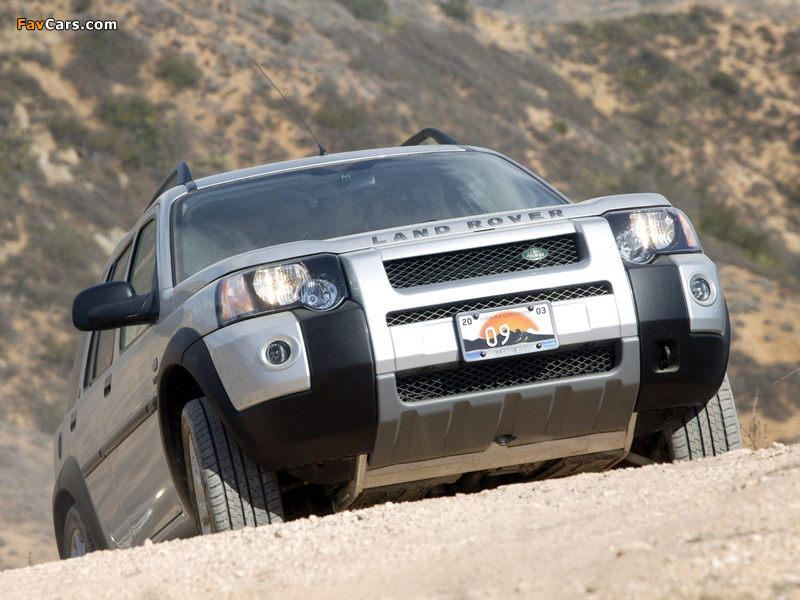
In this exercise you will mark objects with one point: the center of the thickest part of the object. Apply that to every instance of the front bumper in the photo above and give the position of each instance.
(684, 346)
(350, 393)
(336, 417)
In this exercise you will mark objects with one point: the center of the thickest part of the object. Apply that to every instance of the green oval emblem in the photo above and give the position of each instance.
(535, 253)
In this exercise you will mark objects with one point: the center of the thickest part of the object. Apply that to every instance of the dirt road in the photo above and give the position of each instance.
(727, 527)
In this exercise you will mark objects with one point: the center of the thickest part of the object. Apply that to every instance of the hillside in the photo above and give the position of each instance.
(26, 487)
(700, 102)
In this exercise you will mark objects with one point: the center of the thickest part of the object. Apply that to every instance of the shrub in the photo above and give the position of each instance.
(58, 353)
(143, 133)
(180, 71)
(219, 162)
(791, 190)
(687, 84)
(41, 276)
(102, 58)
(560, 127)
(599, 184)
(15, 149)
(282, 29)
(725, 82)
(686, 26)
(346, 117)
(43, 56)
(368, 10)
(69, 130)
(723, 222)
(460, 10)
(791, 44)
(9, 227)
(7, 331)
(648, 114)
(635, 78)
(602, 31)
(7, 102)
(766, 35)
(16, 84)
(132, 111)
(64, 246)
(46, 417)
(644, 70)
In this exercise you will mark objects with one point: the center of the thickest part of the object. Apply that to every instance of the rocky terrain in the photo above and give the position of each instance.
(721, 528)
(698, 101)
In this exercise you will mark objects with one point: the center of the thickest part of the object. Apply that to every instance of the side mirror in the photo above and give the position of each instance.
(111, 305)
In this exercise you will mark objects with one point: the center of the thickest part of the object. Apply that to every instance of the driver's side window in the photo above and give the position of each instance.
(142, 277)
(101, 348)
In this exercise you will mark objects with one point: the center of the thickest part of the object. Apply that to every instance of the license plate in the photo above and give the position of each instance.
(509, 331)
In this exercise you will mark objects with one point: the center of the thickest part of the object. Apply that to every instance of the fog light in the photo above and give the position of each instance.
(701, 289)
(278, 352)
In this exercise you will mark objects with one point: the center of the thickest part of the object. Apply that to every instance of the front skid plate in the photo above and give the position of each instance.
(498, 456)
(558, 409)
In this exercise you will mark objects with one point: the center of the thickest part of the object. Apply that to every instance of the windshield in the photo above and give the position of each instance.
(341, 199)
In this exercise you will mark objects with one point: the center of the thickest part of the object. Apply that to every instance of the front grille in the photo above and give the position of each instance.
(442, 311)
(478, 262)
(495, 374)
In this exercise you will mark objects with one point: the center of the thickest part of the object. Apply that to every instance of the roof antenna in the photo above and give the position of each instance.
(322, 151)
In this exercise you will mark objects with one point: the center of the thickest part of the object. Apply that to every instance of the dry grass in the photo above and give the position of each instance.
(756, 431)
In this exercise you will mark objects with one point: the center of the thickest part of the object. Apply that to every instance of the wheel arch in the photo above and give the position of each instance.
(71, 489)
(181, 379)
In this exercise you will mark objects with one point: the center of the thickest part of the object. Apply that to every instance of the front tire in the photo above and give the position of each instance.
(228, 490)
(77, 539)
(706, 431)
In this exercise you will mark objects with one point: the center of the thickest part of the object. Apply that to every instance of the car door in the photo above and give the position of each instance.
(86, 434)
(142, 480)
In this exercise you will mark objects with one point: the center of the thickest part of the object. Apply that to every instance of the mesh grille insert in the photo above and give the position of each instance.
(442, 311)
(477, 262)
(503, 373)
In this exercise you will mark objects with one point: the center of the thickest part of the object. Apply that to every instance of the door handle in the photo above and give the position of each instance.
(73, 420)
(107, 386)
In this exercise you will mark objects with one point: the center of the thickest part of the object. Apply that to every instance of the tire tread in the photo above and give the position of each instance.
(75, 520)
(707, 431)
(240, 492)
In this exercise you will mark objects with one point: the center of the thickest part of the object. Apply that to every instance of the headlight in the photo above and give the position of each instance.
(280, 286)
(316, 283)
(319, 294)
(641, 234)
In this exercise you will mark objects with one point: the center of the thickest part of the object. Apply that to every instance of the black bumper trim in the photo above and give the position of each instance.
(336, 418)
(691, 369)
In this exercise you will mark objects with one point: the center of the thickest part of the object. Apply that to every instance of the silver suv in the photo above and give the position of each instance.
(327, 333)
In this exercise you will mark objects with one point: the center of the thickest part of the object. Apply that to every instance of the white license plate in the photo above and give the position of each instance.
(510, 331)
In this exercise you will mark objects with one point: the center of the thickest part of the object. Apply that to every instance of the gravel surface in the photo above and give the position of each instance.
(722, 528)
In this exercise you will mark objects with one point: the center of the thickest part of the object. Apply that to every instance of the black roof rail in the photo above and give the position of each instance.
(429, 132)
(180, 175)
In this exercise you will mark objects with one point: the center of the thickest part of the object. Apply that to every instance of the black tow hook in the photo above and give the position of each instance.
(667, 357)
